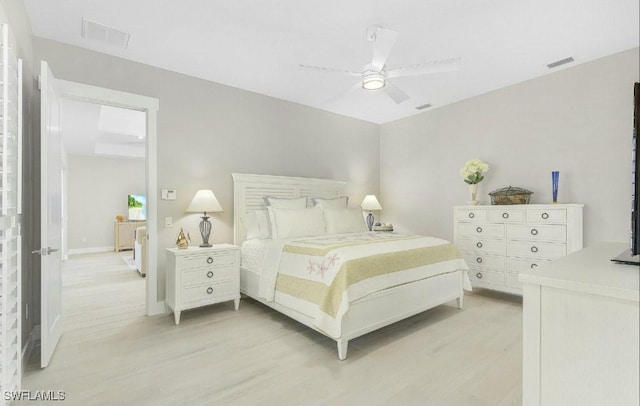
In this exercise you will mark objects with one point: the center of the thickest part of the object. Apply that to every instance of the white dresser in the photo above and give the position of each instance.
(498, 242)
(581, 340)
(202, 276)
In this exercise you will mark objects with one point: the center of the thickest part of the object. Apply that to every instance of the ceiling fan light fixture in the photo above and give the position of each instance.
(373, 81)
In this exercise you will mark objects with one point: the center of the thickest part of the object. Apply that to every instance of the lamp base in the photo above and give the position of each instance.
(205, 231)
(204, 245)
(370, 221)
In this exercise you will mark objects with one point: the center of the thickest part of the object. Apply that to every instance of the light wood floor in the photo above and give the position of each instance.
(111, 354)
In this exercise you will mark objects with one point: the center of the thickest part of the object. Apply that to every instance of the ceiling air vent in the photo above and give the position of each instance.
(424, 106)
(104, 33)
(560, 62)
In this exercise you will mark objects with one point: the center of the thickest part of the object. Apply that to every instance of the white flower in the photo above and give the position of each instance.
(472, 171)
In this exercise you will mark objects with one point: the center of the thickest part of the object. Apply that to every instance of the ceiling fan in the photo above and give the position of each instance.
(376, 76)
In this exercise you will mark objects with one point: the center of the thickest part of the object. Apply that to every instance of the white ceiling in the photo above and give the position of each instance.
(258, 45)
(92, 129)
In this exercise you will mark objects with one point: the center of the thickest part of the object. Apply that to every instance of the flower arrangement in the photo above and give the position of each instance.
(472, 171)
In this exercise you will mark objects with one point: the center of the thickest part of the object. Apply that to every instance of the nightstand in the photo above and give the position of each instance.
(202, 276)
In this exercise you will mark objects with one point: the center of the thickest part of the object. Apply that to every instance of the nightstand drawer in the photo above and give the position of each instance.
(209, 293)
(471, 230)
(211, 259)
(208, 275)
(482, 246)
(507, 216)
(537, 232)
(536, 250)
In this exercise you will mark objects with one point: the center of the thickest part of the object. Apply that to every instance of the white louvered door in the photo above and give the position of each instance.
(10, 210)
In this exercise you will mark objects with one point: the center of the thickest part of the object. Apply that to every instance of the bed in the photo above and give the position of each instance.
(342, 285)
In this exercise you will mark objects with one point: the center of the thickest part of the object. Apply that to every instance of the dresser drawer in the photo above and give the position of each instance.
(208, 275)
(482, 246)
(536, 249)
(471, 230)
(211, 259)
(517, 265)
(542, 216)
(537, 232)
(471, 215)
(209, 293)
(507, 216)
(481, 261)
(484, 276)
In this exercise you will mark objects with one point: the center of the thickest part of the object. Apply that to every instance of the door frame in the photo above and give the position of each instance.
(150, 105)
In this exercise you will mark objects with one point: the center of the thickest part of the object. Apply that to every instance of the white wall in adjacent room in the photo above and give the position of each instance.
(97, 190)
(578, 121)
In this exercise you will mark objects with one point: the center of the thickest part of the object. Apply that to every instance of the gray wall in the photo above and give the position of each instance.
(206, 131)
(97, 189)
(578, 121)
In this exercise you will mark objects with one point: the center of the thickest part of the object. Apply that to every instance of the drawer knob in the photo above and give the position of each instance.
(210, 274)
(479, 275)
(534, 231)
(471, 215)
(534, 266)
(545, 215)
(479, 260)
(209, 290)
(479, 245)
(534, 249)
(505, 215)
(209, 260)
(479, 229)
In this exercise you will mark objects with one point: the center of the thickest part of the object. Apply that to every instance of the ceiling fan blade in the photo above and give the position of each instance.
(343, 94)
(395, 93)
(445, 65)
(382, 44)
(329, 70)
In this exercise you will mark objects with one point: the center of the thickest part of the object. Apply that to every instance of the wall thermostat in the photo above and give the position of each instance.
(168, 194)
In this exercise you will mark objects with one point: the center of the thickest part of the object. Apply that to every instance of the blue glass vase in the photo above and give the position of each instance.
(555, 178)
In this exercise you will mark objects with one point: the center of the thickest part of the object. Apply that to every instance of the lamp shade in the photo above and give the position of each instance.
(370, 202)
(204, 201)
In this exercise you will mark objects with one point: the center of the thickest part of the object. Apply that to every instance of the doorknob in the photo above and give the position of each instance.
(45, 251)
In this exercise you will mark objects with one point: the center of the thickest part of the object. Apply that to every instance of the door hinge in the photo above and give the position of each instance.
(45, 251)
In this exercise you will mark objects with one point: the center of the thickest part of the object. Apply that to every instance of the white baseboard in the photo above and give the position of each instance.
(32, 342)
(77, 251)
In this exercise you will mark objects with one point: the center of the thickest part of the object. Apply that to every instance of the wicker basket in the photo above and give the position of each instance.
(510, 195)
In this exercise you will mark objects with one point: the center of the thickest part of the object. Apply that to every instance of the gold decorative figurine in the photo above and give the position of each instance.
(183, 241)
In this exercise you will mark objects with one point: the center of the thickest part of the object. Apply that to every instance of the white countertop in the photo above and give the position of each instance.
(590, 270)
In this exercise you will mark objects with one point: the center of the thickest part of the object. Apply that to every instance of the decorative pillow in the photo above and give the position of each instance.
(286, 202)
(342, 221)
(333, 203)
(290, 223)
(257, 225)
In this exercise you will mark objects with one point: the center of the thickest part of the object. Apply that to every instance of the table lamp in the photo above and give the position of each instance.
(205, 201)
(370, 203)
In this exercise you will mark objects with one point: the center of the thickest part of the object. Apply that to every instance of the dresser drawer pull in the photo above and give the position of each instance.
(534, 231)
(479, 245)
(534, 266)
(505, 215)
(479, 275)
(479, 229)
(209, 290)
(209, 260)
(534, 249)
(479, 260)
(210, 274)
(471, 215)
(545, 215)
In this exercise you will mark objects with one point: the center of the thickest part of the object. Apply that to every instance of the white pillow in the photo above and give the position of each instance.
(333, 203)
(257, 225)
(286, 202)
(342, 221)
(291, 223)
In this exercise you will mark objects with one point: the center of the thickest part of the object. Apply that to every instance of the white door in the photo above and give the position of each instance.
(51, 212)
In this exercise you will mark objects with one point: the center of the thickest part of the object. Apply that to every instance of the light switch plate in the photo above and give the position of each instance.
(168, 194)
(168, 221)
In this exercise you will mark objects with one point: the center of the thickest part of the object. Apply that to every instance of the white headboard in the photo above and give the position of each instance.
(249, 190)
